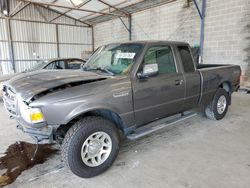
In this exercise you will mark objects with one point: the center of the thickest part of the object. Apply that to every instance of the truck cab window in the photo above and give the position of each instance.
(55, 65)
(186, 59)
(74, 64)
(163, 56)
(49, 66)
(59, 65)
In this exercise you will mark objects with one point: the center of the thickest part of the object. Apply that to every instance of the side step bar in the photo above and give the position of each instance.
(159, 124)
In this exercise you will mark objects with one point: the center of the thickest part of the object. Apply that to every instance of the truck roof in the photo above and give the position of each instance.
(62, 58)
(153, 42)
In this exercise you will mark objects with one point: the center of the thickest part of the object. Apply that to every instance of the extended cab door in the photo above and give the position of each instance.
(191, 76)
(160, 95)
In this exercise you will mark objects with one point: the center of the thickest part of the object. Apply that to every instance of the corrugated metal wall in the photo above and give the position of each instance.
(34, 41)
(6, 66)
(74, 44)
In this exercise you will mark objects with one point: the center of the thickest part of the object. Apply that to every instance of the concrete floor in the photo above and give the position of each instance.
(195, 153)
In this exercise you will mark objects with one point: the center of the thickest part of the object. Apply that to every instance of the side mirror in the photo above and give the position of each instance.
(148, 71)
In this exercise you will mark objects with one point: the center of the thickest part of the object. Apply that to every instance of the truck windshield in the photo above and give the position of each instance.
(114, 59)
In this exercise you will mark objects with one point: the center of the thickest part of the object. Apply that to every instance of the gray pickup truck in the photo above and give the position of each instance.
(124, 90)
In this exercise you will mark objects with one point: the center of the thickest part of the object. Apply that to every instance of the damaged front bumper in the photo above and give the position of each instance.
(38, 134)
(38, 131)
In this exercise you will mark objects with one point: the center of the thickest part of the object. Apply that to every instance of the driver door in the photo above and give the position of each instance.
(161, 95)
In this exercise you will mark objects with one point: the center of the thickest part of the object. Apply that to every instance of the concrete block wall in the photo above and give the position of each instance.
(227, 29)
(227, 33)
(171, 21)
(110, 31)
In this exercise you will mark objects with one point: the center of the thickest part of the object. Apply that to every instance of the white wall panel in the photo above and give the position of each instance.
(67, 50)
(34, 32)
(3, 32)
(4, 51)
(23, 65)
(6, 67)
(71, 34)
(25, 51)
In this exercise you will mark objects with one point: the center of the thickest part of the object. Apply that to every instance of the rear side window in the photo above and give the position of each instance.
(186, 59)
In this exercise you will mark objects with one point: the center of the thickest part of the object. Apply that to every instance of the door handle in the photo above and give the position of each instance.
(178, 82)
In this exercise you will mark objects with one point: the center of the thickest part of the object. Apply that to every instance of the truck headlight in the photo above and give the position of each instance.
(30, 115)
(36, 115)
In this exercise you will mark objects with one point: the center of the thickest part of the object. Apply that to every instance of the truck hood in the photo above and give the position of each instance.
(35, 83)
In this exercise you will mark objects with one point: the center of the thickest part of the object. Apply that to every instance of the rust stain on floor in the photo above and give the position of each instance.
(18, 158)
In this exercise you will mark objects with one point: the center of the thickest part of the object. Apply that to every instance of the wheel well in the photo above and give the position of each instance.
(226, 86)
(106, 114)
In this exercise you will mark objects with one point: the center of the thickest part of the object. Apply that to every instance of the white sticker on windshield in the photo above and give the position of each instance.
(125, 55)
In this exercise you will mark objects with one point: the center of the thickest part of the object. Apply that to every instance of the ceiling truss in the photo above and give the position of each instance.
(111, 11)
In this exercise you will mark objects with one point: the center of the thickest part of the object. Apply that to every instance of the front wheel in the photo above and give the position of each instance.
(90, 146)
(218, 107)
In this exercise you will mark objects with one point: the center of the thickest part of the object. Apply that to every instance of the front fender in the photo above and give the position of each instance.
(82, 109)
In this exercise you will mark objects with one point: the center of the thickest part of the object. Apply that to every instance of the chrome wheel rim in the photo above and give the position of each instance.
(96, 149)
(221, 104)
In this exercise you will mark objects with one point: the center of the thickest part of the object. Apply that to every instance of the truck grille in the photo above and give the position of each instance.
(10, 100)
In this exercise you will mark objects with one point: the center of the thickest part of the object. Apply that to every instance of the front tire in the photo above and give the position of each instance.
(90, 146)
(217, 108)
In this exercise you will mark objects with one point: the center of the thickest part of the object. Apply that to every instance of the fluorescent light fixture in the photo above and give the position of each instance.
(76, 2)
(5, 12)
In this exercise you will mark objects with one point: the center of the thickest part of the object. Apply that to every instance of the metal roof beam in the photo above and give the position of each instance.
(89, 25)
(105, 9)
(16, 7)
(79, 6)
(133, 8)
(54, 1)
(72, 3)
(60, 15)
(111, 6)
(36, 21)
(41, 14)
(48, 8)
(73, 8)
(23, 7)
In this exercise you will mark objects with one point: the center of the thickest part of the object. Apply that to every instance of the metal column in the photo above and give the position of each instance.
(129, 27)
(202, 17)
(10, 43)
(93, 39)
(57, 42)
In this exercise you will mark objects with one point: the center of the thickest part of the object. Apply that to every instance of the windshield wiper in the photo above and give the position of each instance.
(101, 69)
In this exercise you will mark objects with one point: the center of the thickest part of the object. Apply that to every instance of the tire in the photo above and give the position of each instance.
(78, 142)
(211, 111)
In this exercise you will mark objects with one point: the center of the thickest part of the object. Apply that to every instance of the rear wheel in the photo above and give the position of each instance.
(218, 107)
(90, 146)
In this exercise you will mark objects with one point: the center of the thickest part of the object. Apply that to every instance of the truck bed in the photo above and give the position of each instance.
(213, 75)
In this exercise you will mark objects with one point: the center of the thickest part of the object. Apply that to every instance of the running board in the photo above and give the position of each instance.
(159, 124)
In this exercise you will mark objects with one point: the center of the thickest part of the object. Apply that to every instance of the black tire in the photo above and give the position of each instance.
(211, 110)
(75, 138)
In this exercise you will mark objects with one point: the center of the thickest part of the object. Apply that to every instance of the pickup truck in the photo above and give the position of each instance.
(125, 90)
